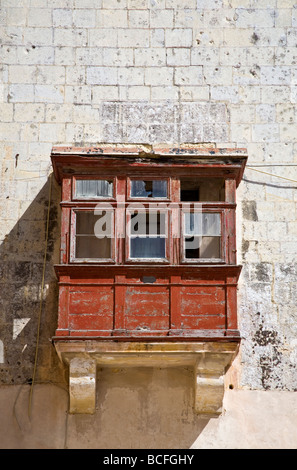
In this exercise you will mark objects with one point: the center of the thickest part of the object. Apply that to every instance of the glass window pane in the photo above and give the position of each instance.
(148, 223)
(94, 188)
(92, 247)
(147, 247)
(93, 235)
(202, 223)
(149, 188)
(202, 247)
(202, 235)
(210, 247)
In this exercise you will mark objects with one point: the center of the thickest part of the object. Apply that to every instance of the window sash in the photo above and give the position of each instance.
(150, 241)
(148, 188)
(92, 238)
(93, 188)
(202, 236)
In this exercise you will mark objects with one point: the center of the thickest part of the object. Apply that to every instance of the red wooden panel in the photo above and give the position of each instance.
(203, 322)
(203, 308)
(90, 322)
(85, 333)
(63, 308)
(147, 323)
(91, 300)
(147, 307)
(203, 300)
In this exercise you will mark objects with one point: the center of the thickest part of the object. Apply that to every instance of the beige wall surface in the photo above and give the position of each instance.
(146, 409)
(83, 72)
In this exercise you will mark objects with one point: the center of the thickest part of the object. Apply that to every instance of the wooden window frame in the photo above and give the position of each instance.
(137, 261)
(98, 198)
(212, 209)
(121, 250)
(72, 244)
(147, 199)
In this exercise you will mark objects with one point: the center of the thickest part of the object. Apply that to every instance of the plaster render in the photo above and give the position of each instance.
(144, 71)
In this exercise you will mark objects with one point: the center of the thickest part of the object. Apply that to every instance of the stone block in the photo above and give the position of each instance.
(38, 55)
(102, 75)
(84, 18)
(111, 18)
(139, 19)
(70, 37)
(62, 17)
(49, 94)
(106, 37)
(280, 75)
(52, 132)
(157, 37)
(150, 57)
(104, 92)
(65, 56)
(29, 112)
(50, 75)
(23, 93)
(177, 56)
(161, 18)
(90, 56)
(133, 37)
(188, 75)
(38, 36)
(179, 37)
(6, 112)
(78, 94)
(158, 76)
(59, 113)
(39, 17)
(266, 132)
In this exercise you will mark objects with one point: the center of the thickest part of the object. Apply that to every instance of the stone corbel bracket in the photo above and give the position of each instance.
(208, 359)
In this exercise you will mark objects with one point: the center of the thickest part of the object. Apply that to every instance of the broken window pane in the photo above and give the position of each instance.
(93, 235)
(202, 189)
(202, 235)
(93, 188)
(149, 188)
(148, 235)
(189, 190)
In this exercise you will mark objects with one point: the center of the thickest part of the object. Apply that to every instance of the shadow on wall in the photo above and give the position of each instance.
(136, 407)
(21, 273)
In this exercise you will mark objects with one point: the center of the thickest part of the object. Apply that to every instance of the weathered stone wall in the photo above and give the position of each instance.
(82, 72)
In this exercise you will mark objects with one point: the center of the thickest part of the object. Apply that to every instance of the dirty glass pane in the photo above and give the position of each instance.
(201, 223)
(149, 188)
(202, 235)
(148, 223)
(92, 188)
(92, 247)
(147, 247)
(148, 235)
(93, 235)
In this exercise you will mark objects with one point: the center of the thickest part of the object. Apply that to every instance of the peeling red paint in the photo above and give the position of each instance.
(121, 299)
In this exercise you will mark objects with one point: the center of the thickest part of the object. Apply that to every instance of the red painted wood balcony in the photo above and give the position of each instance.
(148, 284)
(148, 245)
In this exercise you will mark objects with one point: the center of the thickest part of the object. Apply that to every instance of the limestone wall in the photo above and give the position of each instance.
(83, 72)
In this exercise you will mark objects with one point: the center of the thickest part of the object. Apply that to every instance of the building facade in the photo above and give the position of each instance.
(203, 74)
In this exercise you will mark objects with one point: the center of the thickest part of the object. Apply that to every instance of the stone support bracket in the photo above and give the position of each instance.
(208, 359)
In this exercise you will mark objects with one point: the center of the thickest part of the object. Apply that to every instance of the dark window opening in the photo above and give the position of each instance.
(149, 188)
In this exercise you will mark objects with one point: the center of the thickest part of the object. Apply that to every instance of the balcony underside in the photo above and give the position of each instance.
(209, 360)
